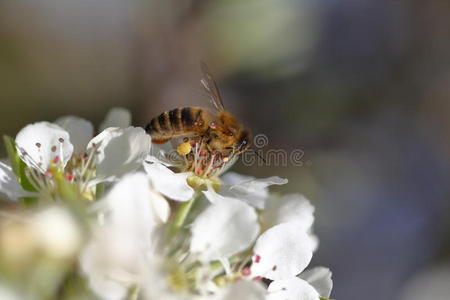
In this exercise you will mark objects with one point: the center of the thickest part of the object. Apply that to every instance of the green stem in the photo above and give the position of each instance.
(181, 215)
(133, 293)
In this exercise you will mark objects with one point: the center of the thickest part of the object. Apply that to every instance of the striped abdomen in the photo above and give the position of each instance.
(178, 122)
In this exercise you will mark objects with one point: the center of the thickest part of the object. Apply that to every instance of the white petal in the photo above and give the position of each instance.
(243, 289)
(118, 255)
(320, 279)
(130, 205)
(112, 263)
(9, 185)
(160, 206)
(80, 130)
(98, 180)
(314, 240)
(214, 197)
(119, 151)
(291, 289)
(233, 178)
(281, 252)
(40, 143)
(58, 232)
(225, 228)
(168, 183)
(248, 189)
(129, 208)
(116, 117)
(289, 208)
(226, 265)
(256, 185)
(165, 154)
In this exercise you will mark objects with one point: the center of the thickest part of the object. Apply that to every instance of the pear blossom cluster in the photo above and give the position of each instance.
(109, 216)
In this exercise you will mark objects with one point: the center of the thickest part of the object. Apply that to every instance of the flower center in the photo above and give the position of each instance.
(202, 161)
(75, 174)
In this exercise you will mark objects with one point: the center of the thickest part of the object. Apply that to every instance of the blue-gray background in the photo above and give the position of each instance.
(362, 87)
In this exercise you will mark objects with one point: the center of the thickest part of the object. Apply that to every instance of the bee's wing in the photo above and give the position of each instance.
(211, 88)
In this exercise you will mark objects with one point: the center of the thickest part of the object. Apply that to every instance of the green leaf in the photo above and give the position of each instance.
(17, 165)
(14, 159)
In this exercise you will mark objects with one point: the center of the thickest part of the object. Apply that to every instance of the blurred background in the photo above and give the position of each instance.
(361, 87)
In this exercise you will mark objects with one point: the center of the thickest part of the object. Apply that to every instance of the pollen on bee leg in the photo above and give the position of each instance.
(226, 159)
(184, 148)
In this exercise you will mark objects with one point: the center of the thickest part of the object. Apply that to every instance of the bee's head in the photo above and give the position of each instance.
(244, 142)
(228, 142)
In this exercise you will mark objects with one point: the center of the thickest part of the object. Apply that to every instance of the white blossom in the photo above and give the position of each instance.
(288, 208)
(292, 288)
(118, 255)
(80, 131)
(320, 279)
(227, 233)
(243, 289)
(57, 231)
(249, 189)
(47, 148)
(116, 117)
(225, 228)
(41, 143)
(281, 252)
(9, 185)
(170, 184)
(119, 151)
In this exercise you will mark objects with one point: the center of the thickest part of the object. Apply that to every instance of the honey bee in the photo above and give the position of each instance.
(219, 131)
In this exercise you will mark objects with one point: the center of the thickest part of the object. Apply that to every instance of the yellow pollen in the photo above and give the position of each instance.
(184, 148)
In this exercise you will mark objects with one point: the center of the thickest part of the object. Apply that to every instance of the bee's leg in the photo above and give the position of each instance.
(208, 147)
(160, 141)
(186, 162)
(206, 141)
